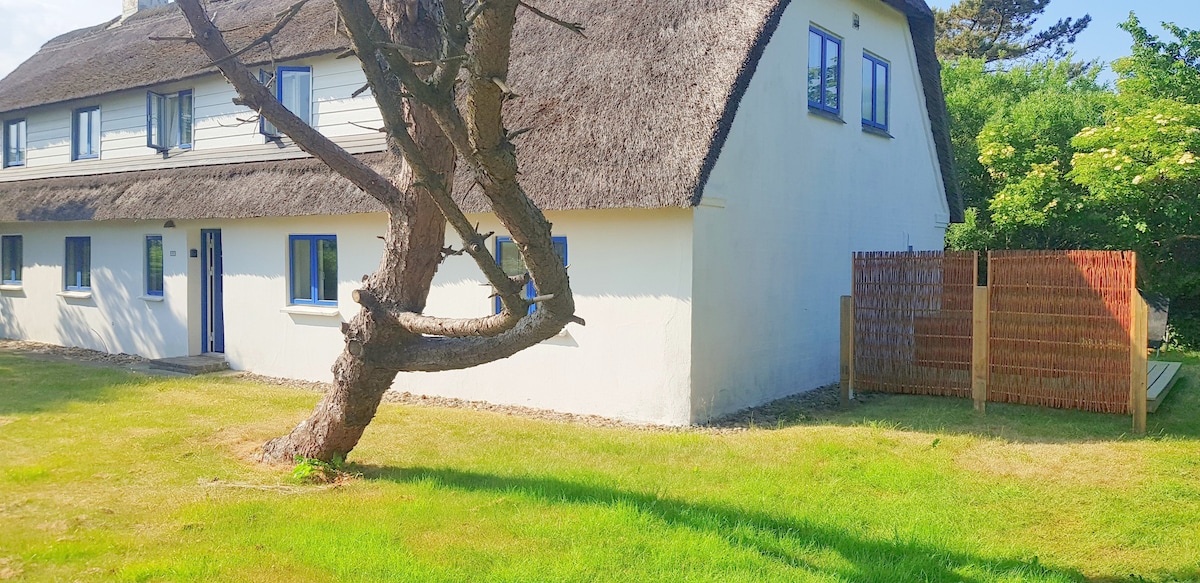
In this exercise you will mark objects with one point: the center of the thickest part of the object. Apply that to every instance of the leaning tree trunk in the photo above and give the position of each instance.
(412, 52)
(412, 252)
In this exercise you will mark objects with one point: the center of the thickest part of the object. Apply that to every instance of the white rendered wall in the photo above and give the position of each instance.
(116, 318)
(631, 272)
(800, 193)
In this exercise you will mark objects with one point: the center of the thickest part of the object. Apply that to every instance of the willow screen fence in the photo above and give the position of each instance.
(1064, 329)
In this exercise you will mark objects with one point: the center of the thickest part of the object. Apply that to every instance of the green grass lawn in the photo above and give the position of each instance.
(109, 476)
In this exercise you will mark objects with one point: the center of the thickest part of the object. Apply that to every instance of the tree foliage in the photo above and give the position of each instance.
(997, 30)
(1062, 162)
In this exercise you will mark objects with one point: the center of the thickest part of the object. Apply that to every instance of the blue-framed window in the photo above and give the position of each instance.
(169, 120)
(11, 259)
(293, 88)
(14, 143)
(313, 269)
(876, 92)
(77, 269)
(154, 265)
(85, 133)
(510, 260)
(824, 71)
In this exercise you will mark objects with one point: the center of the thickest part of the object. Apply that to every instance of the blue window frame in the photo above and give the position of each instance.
(169, 120)
(14, 143)
(876, 92)
(85, 133)
(77, 269)
(11, 259)
(313, 269)
(824, 71)
(293, 88)
(154, 265)
(510, 260)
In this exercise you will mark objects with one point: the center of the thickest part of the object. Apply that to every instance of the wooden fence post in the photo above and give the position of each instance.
(979, 348)
(1138, 375)
(847, 376)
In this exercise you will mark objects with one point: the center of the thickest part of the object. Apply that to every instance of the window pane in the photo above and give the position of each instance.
(327, 270)
(510, 259)
(154, 265)
(302, 269)
(85, 262)
(78, 265)
(185, 118)
(171, 121)
(868, 86)
(10, 271)
(14, 143)
(881, 94)
(832, 73)
(815, 42)
(296, 93)
(154, 107)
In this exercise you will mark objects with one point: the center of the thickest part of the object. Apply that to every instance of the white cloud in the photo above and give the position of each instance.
(28, 24)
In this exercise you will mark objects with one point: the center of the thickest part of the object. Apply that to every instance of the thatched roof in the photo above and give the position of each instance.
(117, 55)
(297, 187)
(635, 116)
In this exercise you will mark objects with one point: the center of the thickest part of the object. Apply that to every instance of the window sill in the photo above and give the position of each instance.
(821, 113)
(75, 295)
(877, 132)
(153, 298)
(326, 311)
(11, 287)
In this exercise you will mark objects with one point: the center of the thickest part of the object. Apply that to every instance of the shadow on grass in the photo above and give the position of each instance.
(1178, 417)
(775, 538)
(33, 385)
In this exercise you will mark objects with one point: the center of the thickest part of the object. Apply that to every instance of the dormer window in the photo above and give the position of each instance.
(169, 120)
(14, 143)
(85, 133)
(293, 88)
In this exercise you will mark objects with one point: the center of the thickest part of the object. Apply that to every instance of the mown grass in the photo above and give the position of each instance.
(109, 476)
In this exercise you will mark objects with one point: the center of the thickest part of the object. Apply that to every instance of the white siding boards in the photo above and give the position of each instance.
(223, 132)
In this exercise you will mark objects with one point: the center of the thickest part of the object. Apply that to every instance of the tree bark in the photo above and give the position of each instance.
(412, 252)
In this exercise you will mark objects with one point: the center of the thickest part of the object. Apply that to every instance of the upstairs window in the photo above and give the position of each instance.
(875, 92)
(824, 71)
(154, 265)
(85, 133)
(11, 259)
(77, 269)
(293, 88)
(168, 120)
(313, 269)
(14, 143)
(510, 260)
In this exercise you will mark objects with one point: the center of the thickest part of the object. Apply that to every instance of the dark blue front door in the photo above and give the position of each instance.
(212, 298)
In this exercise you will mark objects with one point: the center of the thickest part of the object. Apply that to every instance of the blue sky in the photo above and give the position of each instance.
(1103, 39)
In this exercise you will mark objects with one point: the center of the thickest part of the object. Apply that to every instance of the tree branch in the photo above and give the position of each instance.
(575, 27)
(255, 96)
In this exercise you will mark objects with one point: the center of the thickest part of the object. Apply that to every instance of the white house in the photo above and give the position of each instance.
(708, 166)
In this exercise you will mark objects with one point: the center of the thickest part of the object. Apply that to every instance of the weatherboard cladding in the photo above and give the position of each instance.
(633, 116)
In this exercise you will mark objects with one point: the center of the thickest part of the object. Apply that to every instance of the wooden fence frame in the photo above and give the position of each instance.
(980, 354)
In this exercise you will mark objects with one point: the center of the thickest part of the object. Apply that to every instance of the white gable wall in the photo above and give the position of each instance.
(800, 193)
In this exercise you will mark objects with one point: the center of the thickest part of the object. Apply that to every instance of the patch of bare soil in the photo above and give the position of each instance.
(68, 353)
